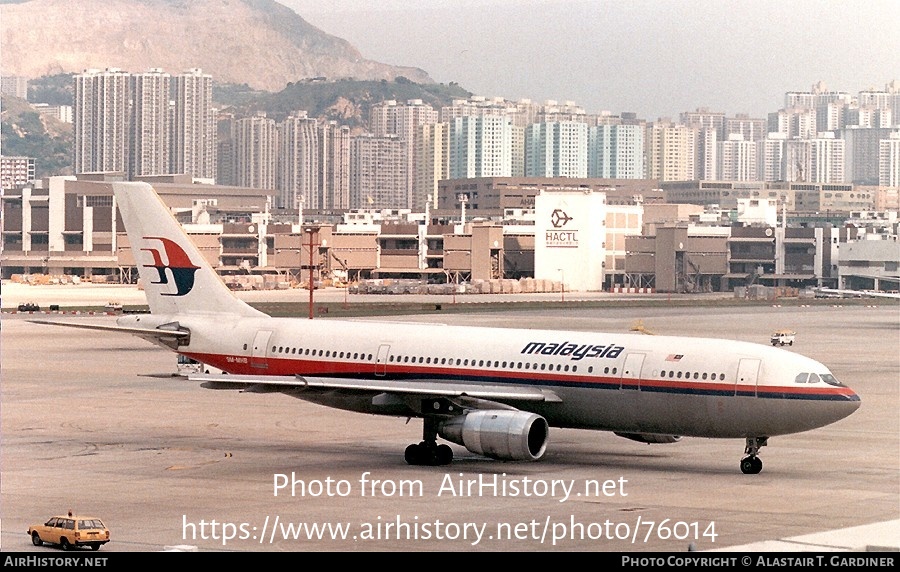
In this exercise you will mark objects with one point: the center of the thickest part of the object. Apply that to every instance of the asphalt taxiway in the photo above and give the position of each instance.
(96, 423)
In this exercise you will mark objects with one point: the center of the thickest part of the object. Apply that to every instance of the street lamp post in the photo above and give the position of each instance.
(562, 289)
(311, 244)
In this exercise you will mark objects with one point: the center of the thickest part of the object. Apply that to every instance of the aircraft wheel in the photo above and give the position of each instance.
(751, 465)
(413, 454)
(444, 455)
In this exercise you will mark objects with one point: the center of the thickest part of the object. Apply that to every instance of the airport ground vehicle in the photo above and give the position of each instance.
(188, 366)
(782, 337)
(69, 531)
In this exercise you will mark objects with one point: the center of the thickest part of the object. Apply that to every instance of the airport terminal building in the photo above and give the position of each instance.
(588, 234)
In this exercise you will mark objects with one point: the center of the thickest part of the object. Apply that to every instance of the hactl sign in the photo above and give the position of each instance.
(561, 238)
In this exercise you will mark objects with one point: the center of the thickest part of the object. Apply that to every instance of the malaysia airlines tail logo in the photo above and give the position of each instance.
(182, 270)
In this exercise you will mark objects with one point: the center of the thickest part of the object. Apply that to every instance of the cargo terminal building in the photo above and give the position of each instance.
(589, 237)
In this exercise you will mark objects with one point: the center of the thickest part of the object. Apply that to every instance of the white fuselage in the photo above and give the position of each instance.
(628, 383)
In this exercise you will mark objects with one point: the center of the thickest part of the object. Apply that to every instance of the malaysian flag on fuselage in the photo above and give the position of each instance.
(674, 357)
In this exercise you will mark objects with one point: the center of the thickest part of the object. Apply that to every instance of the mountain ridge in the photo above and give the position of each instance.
(257, 42)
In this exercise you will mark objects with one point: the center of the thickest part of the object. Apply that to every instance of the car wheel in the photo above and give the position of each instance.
(36, 540)
(95, 546)
(64, 543)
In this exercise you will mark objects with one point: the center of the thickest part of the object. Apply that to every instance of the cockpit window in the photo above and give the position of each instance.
(813, 378)
(801, 378)
(831, 380)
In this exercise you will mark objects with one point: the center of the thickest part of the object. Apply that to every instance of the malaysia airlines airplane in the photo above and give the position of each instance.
(494, 391)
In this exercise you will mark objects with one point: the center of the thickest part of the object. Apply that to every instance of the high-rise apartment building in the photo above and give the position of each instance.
(751, 129)
(255, 147)
(703, 118)
(334, 165)
(297, 180)
(148, 137)
(671, 151)
(817, 96)
(14, 85)
(556, 149)
(431, 159)
(737, 159)
(194, 126)
(481, 146)
(101, 121)
(770, 156)
(403, 120)
(616, 151)
(862, 153)
(888, 98)
(15, 172)
(144, 124)
(378, 172)
(826, 159)
(889, 161)
(794, 122)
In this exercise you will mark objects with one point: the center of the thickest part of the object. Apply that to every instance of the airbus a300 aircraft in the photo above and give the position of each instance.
(494, 391)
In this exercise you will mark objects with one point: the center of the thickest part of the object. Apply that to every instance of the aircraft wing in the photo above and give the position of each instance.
(149, 333)
(407, 387)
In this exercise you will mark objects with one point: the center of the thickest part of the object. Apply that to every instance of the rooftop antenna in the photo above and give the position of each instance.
(463, 200)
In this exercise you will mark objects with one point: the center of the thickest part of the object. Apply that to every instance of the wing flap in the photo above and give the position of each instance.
(497, 392)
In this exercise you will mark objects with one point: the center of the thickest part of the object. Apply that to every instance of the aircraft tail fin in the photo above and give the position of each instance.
(176, 277)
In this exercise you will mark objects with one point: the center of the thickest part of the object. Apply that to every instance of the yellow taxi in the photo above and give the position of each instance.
(70, 531)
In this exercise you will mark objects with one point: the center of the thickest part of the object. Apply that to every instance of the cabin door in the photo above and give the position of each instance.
(748, 373)
(631, 371)
(384, 350)
(260, 349)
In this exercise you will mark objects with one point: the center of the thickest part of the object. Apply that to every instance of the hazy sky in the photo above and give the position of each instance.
(657, 58)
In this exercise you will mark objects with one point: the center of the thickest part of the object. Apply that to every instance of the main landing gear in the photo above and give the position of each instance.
(428, 452)
(752, 464)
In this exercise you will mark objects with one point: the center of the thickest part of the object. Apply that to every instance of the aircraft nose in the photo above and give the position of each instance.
(849, 403)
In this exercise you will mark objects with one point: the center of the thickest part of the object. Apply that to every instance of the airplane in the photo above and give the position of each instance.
(494, 391)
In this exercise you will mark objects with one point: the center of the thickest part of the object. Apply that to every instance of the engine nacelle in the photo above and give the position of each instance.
(500, 434)
(650, 437)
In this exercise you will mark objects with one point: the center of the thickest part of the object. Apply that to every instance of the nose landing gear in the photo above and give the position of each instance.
(752, 464)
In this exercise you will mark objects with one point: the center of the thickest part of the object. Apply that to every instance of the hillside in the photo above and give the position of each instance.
(255, 42)
(26, 133)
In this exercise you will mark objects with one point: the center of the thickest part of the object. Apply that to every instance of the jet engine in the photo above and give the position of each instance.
(650, 437)
(500, 434)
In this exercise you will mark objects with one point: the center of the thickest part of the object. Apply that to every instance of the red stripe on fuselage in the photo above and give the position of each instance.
(241, 365)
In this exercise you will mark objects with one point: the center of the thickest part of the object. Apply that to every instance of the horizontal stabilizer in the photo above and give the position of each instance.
(142, 332)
